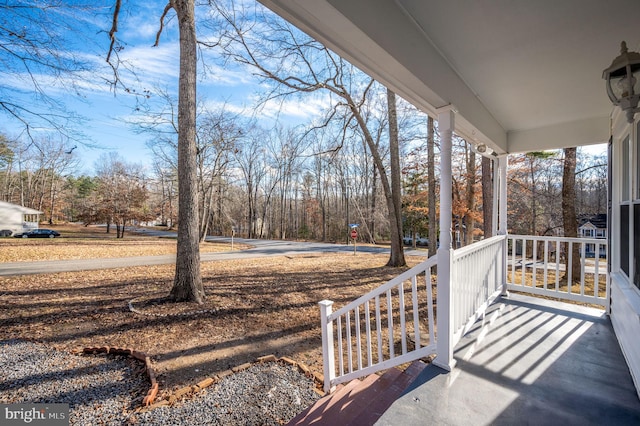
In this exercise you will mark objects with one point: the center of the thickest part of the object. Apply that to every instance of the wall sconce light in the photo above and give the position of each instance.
(483, 149)
(623, 81)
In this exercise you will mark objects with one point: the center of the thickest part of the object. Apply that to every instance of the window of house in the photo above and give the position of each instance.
(627, 162)
(624, 238)
(627, 214)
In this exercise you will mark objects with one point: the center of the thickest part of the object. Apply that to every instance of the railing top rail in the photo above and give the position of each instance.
(432, 261)
(477, 246)
(561, 239)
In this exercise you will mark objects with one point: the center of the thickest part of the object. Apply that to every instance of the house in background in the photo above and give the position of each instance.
(593, 226)
(17, 219)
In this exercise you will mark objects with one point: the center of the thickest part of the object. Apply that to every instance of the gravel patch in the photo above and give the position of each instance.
(106, 390)
(100, 390)
(264, 394)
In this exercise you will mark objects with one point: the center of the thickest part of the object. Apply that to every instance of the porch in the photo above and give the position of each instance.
(508, 77)
(498, 358)
(532, 361)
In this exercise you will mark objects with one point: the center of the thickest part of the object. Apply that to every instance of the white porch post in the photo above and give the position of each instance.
(444, 352)
(496, 192)
(328, 356)
(503, 163)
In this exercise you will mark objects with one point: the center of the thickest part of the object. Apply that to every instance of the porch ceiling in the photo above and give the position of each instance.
(523, 75)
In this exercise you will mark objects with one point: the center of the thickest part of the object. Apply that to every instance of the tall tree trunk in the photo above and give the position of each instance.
(395, 209)
(52, 196)
(206, 217)
(534, 212)
(187, 284)
(431, 182)
(569, 220)
(396, 258)
(487, 196)
(372, 218)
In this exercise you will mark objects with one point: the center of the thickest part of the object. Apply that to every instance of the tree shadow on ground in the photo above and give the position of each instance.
(254, 307)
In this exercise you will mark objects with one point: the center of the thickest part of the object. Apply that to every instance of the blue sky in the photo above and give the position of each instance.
(107, 111)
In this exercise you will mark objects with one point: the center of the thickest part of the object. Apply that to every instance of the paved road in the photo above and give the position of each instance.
(261, 248)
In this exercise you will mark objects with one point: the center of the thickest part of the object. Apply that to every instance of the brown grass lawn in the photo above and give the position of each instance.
(254, 307)
(80, 242)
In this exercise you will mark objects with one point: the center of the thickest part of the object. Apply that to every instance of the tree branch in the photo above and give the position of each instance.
(167, 8)
(114, 28)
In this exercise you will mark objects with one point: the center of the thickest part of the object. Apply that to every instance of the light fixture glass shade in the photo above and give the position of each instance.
(623, 81)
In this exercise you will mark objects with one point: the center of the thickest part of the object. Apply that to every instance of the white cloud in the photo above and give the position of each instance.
(154, 64)
(300, 108)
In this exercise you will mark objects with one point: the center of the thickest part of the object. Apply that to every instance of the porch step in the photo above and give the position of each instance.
(360, 402)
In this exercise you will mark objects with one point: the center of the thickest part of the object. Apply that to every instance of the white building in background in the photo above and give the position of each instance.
(593, 226)
(17, 219)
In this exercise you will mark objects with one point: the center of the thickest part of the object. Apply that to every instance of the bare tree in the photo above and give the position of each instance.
(395, 204)
(166, 190)
(534, 193)
(121, 194)
(591, 183)
(431, 184)
(298, 65)
(37, 178)
(249, 158)
(187, 285)
(37, 54)
(217, 137)
(569, 220)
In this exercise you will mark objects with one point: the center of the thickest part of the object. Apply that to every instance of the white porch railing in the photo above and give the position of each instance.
(544, 266)
(478, 276)
(387, 327)
(371, 333)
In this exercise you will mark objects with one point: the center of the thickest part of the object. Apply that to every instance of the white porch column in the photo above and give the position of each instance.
(503, 163)
(496, 192)
(444, 352)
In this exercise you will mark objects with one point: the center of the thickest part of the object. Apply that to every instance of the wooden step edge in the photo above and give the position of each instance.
(350, 393)
(344, 407)
(415, 368)
(378, 405)
(324, 404)
(372, 389)
(349, 401)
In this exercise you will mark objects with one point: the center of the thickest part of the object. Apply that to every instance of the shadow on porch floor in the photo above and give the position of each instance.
(532, 361)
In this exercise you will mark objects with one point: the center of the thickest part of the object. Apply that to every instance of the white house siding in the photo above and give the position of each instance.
(624, 237)
(625, 310)
(13, 217)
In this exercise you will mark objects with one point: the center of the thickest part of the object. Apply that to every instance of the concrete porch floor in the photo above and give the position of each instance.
(531, 361)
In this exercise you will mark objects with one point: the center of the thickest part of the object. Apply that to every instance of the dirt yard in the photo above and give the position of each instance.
(254, 307)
